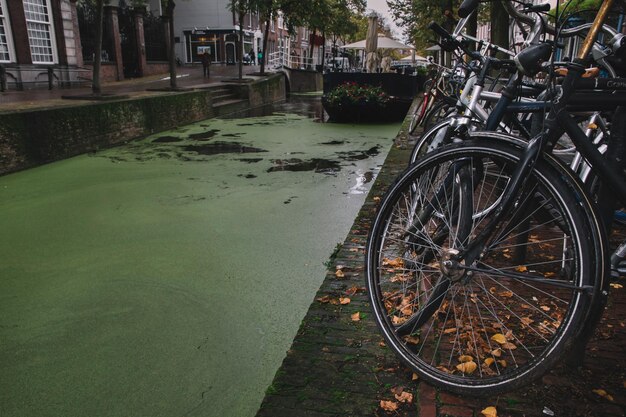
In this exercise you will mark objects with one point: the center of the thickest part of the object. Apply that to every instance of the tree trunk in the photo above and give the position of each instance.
(97, 59)
(312, 43)
(499, 25)
(323, 49)
(264, 51)
(240, 48)
(170, 14)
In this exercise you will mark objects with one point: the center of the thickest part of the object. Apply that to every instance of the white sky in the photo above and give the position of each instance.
(381, 7)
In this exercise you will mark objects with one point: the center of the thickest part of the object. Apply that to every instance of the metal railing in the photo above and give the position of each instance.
(280, 59)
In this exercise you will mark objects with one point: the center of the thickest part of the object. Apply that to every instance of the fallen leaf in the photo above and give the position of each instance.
(521, 269)
(325, 299)
(508, 346)
(545, 308)
(388, 405)
(398, 320)
(415, 377)
(339, 273)
(356, 316)
(412, 340)
(353, 249)
(490, 412)
(499, 338)
(376, 198)
(394, 263)
(325, 349)
(616, 285)
(344, 300)
(450, 330)
(465, 358)
(602, 393)
(497, 352)
(489, 361)
(382, 343)
(502, 363)
(404, 397)
(467, 367)
(506, 294)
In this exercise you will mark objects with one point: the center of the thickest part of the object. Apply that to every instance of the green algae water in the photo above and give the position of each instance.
(168, 277)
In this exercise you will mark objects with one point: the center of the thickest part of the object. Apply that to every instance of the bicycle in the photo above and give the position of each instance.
(488, 258)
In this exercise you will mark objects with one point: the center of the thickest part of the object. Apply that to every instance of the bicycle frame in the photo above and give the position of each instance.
(558, 121)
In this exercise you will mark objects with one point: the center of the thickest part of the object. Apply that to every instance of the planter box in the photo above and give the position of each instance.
(394, 111)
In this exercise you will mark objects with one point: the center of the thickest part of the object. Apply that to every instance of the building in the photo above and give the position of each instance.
(39, 43)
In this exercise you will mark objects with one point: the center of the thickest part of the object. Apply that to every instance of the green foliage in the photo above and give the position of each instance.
(354, 93)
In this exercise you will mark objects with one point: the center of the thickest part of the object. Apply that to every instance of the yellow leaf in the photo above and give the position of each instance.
(508, 346)
(376, 198)
(465, 358)
(545, 308)
(388, 405)
(490, 412)
(344, 300)
(521, 268)
(489, 361)
(339, 273)
(356, 316)
(497, 352)
(616, 285)
(450, 330)
(404, 397)
(502, 363)
(602, 393)
(499, 338)
(467, 367)
(414, 377)
(398, 320)
(394, 263)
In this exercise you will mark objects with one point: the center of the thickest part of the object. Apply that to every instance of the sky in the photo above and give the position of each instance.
(381, 7)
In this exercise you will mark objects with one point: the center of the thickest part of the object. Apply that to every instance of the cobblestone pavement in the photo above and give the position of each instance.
(340, 367)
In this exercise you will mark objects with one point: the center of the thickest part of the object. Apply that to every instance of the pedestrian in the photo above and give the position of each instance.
(252, 57)
(260, 56)
(206, 60)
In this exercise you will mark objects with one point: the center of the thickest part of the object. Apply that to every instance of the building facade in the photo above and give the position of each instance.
(39, 43)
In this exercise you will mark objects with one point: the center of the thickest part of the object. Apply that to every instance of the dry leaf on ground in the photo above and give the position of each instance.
(489, 412)
(388, 405)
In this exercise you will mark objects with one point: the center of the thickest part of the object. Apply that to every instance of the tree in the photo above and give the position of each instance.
(97, 59)
(169, 8)
(240, 8)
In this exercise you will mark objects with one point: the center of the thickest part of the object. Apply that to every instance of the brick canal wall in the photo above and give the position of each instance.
(33, 137)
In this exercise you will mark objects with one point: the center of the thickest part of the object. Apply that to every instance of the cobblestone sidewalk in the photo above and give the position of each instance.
(338, 366)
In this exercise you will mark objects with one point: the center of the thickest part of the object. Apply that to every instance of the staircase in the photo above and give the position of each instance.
(226, 99)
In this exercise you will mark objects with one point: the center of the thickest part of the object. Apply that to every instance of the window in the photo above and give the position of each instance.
(5, 34)
(40, 33)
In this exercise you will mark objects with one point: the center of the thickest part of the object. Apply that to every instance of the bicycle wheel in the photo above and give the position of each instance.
(418, 114)
(503, 320)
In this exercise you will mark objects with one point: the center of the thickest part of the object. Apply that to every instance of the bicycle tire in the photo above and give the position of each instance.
(542, 320)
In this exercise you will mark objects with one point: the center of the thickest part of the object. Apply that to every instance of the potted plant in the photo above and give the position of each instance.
(353, 102)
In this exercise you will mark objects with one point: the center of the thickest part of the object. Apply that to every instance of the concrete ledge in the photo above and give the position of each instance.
(33, 137)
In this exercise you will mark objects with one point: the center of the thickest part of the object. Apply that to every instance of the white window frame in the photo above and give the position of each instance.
(53, 44)
(6, 22)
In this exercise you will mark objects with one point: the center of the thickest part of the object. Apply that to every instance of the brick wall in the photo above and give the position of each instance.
(63, 132)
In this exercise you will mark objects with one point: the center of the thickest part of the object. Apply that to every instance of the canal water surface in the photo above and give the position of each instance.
(168, 277)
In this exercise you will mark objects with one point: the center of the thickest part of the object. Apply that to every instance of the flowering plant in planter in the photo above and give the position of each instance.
(350, 93)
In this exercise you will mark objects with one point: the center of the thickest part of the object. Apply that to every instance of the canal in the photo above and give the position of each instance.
(168, 277)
